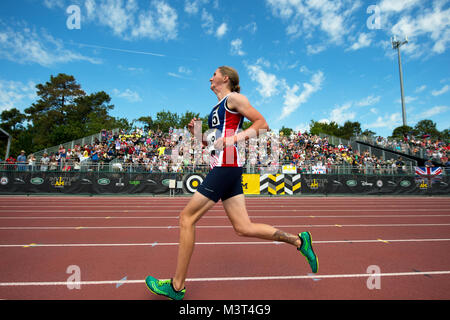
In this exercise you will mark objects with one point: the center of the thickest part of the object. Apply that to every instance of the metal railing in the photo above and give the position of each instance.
(398, 146)
(71, 144)
(124, 167)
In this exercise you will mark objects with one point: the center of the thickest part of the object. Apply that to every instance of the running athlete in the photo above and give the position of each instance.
(223, 182)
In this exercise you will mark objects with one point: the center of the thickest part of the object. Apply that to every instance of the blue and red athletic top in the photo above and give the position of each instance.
(223, 122)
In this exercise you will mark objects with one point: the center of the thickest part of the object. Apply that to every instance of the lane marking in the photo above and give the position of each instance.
(121, 281)
(30, 245)
(229, 226)
(315, 276)
(275, 208)
(157, 244)
(151, 206)
(226, 217)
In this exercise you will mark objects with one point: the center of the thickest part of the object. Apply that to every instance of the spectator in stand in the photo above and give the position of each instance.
(429, 164)
(53, 163)
(10, 162)
(21, 161)
(31, 160)
(45, 160)
(399, 164)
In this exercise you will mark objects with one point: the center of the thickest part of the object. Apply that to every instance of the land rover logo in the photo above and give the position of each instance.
(405, 183)
(103, 181)
(37, 181)
(351, 183)
(165, 182)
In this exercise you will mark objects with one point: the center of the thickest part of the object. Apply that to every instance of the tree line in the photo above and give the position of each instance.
(64, 112)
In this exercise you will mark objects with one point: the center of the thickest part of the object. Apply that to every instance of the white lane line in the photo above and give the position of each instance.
(226, 217)
(227, 226)
(325, 276)
(181, 205)
(154, 244)
(332, 209)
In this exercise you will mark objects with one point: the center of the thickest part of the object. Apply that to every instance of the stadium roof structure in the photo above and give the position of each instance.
(4, 134)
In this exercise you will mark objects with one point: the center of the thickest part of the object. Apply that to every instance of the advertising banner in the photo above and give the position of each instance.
(250, 183)
(20, 182)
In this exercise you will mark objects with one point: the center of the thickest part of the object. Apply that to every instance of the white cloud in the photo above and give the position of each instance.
(183, 73)
(292, 100)
(128, 94)
(388, 121)
(433, 111)
(389, 6)
(268, 83)
(302, 127)
(54, 4)
(332, 17)
(368, 101)
(221, 30)
(14, 94)
(130, 21)
(420, 89)
(236, 47)
(364, 40)
(184, 70)
(207, 22)
(431, 25)
(251, 27)
(311, 50)
(192, 7)
(408, 99)
(26, 45)
(160, 25)
(341, 114)
(441, 91)
(335, 21)
(131, 69)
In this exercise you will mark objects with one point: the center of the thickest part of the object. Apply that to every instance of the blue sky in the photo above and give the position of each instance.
(298, 60)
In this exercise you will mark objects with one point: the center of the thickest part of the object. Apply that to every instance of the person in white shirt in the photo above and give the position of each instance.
(44, 162)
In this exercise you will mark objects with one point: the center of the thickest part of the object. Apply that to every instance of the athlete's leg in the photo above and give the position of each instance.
(194, 210)
(237, 213)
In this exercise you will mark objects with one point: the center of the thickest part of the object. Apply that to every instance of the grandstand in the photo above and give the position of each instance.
(140, 161)
(139, 151)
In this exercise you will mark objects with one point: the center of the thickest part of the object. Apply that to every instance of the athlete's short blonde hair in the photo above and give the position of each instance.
(232, 74)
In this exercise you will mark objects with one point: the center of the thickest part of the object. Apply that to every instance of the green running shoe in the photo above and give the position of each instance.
(307, 250)
(164, 288)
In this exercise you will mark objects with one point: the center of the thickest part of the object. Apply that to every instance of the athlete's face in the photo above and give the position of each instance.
(217, 80)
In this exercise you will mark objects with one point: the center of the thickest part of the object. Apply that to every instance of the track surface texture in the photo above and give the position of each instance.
(95, 248)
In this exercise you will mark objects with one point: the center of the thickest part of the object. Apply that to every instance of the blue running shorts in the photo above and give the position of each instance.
(222, 183)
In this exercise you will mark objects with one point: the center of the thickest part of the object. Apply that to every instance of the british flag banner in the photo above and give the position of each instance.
(432, 174)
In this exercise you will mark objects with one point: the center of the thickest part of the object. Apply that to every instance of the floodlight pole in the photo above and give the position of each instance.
(396, 45)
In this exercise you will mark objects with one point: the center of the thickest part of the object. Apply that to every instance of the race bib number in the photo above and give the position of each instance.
(215, 118)
(211, 139)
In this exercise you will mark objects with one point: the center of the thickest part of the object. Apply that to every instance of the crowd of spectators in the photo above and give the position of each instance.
(154, 151)
(424, 147)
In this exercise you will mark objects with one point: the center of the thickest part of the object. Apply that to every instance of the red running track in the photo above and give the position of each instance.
(368, 248)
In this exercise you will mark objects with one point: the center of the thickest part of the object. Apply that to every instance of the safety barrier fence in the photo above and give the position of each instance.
(146, 183)
(307, 167)
(398, 146)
